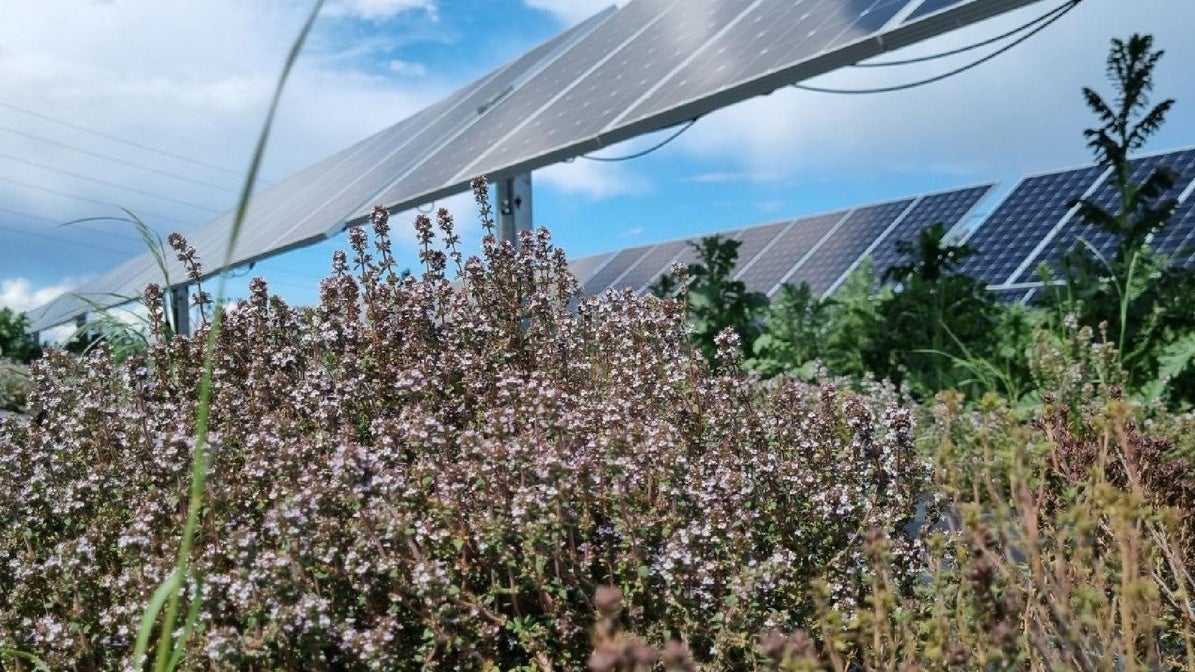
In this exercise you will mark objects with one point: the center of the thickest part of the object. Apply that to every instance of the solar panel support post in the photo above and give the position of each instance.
(179, 310)
(80, 321)
(514, 207)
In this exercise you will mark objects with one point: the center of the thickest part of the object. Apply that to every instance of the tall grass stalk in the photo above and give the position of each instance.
(168, 653)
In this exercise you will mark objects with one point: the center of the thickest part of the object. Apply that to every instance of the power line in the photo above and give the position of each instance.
(649, 150)
(116, 160)
(106, 183)
(114, 138)
(1062, 11)
(91, 200)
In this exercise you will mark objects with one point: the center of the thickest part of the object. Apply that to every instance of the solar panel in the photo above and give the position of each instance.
(1177, 241)
(643, 67)
(584, 268)
(655, 262)
(314, 203)
(1106, 196)
(656, 63)
(620, 263)
(930, 6)
(947, 208)
(1021, 222)
(844, 246)
(787, 250)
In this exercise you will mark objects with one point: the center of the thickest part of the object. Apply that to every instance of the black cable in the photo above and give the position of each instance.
(649, 150)
(969, 47)
(946, 75)
(116, 160)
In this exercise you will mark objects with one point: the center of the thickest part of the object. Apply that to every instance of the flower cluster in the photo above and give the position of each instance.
(439, 470)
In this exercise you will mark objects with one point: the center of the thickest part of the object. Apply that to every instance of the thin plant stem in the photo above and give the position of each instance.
(164, 654)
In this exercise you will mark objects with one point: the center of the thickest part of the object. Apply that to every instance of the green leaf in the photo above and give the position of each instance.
(1177, 357)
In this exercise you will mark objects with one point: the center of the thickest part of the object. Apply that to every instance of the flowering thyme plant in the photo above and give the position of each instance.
(441, 471)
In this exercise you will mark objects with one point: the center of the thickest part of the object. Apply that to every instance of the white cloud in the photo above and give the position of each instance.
(19, 294)
(593, 180)
(719, 177)
(407, 68)
(569, 12)
(379, 10)
(632, 232)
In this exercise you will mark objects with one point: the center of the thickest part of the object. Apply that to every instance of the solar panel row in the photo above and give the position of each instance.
(819, 250)
(645, 66)
(1036, 224)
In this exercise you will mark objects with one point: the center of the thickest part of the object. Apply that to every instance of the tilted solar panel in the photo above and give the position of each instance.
(817, 248)
(1020, 224)
(620, 263)
(930, 6)
(584, 268)
(657, 63)
(845, 245)
(947, 208)
(1106, 196)
(651, 265)
(1177, 241)
(314, 203)
(646, 66)
(788, 250)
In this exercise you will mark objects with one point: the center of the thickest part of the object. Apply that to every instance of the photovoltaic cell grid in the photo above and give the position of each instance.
(818, 249)
(838, 253)
(787, 249)
(1182, 163)
(656, 63)
(651, 265)
(1022, 220)
(1178, 241)
(948, 209)
(645, 66)
(314, 203)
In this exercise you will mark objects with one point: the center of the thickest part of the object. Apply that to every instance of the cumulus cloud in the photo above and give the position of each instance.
(593, 180)
(407, 68)
(19, 294)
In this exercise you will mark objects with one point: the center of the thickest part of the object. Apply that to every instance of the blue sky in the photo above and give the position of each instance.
(190, 81)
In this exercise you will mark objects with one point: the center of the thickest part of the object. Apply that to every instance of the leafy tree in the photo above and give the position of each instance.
(796, 323)
(15, 342)
(938, 319)
(802, 329)
(1145, 306)
(716, 301)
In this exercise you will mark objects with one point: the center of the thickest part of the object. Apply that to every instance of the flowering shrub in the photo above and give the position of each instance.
(436, 472)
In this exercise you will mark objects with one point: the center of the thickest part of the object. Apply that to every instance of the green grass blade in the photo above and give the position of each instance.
(150, 615)
(198, 457)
